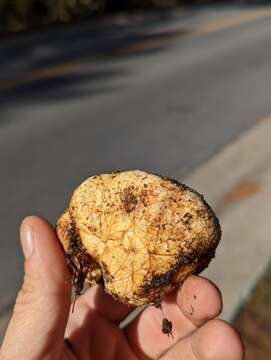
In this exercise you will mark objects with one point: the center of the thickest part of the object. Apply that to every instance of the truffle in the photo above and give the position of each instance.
(138, 234)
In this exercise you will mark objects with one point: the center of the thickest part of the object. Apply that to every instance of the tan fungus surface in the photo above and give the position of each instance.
(143, 233)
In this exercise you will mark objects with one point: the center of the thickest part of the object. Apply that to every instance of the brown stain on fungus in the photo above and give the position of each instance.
(158, 281)
(79, 261)
(129, 200)
(187, 218)
(107, 276)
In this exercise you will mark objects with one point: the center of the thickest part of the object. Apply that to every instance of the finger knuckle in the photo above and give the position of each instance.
(27, 294)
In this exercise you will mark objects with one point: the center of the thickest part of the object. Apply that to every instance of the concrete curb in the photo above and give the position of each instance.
(237, 183)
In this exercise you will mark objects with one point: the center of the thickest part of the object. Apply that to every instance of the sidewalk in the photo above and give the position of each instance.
(237, 183)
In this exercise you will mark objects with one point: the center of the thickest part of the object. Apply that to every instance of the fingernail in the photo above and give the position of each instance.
(27, 239)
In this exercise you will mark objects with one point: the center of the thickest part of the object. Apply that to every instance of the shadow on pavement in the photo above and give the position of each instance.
(61, 63)
(79, 60)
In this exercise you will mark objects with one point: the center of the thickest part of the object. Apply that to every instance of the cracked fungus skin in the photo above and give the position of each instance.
(138, 234)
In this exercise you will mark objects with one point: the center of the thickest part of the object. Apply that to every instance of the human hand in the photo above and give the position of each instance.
(42, 318)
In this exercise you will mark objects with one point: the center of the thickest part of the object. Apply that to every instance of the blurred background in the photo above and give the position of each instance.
(180, 88)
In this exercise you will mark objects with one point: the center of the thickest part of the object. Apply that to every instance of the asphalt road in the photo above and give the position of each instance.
(158, 92)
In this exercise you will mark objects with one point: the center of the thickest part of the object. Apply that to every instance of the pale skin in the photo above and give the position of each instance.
(42, 316)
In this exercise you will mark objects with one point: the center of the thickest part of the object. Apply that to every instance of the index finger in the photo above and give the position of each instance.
(187, 308)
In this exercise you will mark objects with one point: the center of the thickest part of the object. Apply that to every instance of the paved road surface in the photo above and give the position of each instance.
(163, 93)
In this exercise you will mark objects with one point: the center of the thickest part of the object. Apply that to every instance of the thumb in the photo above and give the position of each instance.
(37, 327)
